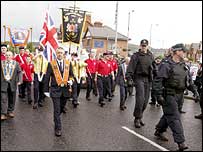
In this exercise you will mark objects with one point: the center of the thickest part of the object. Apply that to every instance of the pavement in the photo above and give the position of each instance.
(93, 128)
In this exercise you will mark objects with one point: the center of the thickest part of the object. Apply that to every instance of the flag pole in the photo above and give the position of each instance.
(4, 33)
(116, 23)
(69, 46)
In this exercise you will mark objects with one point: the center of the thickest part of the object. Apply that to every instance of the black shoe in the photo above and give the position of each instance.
(35, 106)
(58, 133)
(137, 123)
(75, 105)
(109, 99)
(160, 136)
(95, 94)
(20, 96)
(158, 105)
(186, 93)
(182, 147)
(63, 110)
(122, 108)
(30, 102)
(102, 104)
(40, 104)
(141, 122)
(198, 116)
(152, 103)
(88, 99)
(182, 111)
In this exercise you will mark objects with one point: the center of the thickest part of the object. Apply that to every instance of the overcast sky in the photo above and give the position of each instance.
(172, 22)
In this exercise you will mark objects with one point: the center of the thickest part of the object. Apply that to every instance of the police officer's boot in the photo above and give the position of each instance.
(182, 146)
(160, 135)
(141, 122)
(101, 102)
(137, 123)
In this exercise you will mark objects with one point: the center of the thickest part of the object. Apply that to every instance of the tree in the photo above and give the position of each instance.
(30, 46)
(9, 46)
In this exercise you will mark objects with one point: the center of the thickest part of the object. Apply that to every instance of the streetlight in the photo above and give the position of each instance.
(129, 26)
(151, 34)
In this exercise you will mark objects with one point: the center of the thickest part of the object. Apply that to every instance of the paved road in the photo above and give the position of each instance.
(90, 127)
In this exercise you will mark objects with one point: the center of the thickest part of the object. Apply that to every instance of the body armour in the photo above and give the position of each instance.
(177, 76)
(144, 64)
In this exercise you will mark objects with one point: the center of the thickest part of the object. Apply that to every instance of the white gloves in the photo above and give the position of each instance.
(47, 94)
(70, 82)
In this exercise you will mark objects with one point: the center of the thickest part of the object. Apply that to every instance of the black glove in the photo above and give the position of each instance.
(130, 82)
(160, 99)
(196, 96)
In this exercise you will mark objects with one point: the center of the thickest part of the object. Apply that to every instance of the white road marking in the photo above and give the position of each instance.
(144, 138)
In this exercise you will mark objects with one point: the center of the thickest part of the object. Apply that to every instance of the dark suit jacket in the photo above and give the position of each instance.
(55, 90)
(120, 76)
(17, 77)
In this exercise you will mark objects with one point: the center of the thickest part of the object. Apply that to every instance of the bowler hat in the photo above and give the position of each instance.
(21, 47)
(105, 53)
(144, 42)
(3, 45)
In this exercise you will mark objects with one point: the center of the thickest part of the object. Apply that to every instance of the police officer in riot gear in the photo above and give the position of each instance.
(171, 81)
(140, 70)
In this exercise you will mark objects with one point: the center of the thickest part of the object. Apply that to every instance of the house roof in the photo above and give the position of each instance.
(104, 32)
(195, 45)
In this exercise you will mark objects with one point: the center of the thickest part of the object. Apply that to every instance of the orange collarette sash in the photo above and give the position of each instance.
(61, 81)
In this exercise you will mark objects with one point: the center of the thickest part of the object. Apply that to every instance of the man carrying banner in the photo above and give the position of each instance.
(61, 75)
(21, 59)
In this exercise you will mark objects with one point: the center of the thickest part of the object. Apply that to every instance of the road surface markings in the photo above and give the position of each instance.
(145, 139)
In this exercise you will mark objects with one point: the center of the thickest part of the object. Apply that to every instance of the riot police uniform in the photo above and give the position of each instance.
(140, 70)
(198, 83)
(172, 79)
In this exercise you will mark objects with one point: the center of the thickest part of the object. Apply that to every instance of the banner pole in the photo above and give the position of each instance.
(69, 46)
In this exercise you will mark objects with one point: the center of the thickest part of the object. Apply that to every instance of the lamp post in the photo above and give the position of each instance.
(128, 26)
(150, 38)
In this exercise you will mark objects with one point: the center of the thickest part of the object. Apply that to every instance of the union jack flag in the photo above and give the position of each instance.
(48, 38)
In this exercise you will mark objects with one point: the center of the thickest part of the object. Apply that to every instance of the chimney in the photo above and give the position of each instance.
(97, 24)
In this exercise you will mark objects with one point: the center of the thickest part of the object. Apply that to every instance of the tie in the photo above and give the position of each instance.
(60, 67)
(8, 68)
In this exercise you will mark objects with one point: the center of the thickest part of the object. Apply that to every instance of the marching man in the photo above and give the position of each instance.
(61, 75)
(11, 76)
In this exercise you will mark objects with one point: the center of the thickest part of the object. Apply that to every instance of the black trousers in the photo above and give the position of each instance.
(20, 91)
(91, 85)
(8, 100)
(142, 86)
(123, 93)
(76, 90)
(26, 86)
(59, 104)
(113, 83)
(38, 90)
(171, 118)
(103, 84)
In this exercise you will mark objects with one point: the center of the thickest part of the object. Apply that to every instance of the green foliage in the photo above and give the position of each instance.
(30, 46)
(10, 47)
